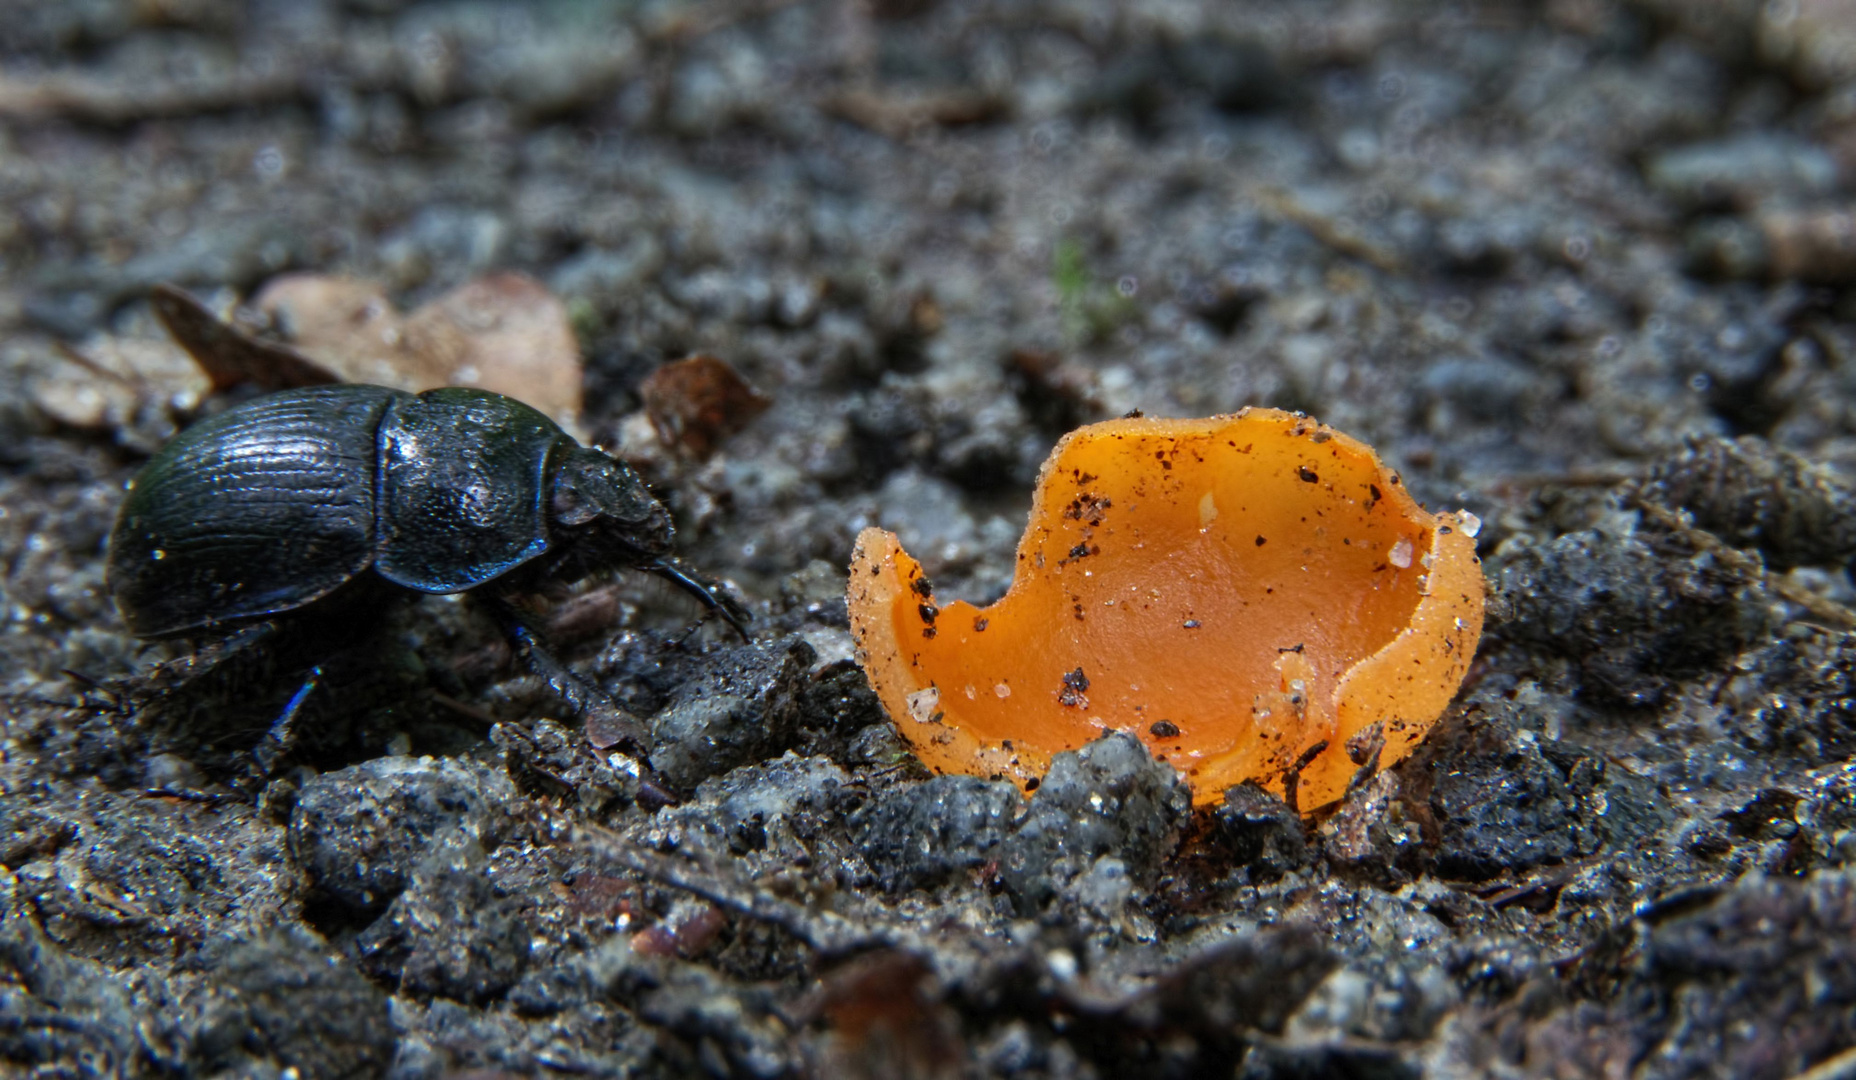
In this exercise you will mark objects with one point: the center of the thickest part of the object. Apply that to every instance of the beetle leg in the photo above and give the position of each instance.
(606, 723)
(281, 738)
(711, 593)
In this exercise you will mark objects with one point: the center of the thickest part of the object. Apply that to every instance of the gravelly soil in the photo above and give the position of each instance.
(1553, 261)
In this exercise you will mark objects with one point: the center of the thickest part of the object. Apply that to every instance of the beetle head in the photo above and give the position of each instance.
(606, 509)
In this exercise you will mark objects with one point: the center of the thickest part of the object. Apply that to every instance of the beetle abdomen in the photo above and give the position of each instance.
(463, 483)
(256, 511)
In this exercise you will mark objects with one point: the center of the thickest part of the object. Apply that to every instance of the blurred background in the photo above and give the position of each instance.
(1499, 241)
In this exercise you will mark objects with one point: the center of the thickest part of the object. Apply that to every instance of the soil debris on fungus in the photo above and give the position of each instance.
(1361, 609)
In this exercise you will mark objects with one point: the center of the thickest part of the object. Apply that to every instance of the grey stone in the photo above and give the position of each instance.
(1109, 798)
(925, 834)
(360, 832)
(742, 708)
(1634, 615)
(286, 1001)
(1742, 169)
(449, 933)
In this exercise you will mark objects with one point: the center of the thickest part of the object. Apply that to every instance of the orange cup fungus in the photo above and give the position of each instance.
(1243, 593)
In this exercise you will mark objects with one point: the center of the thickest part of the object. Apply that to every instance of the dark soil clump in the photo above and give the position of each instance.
(1581, 268)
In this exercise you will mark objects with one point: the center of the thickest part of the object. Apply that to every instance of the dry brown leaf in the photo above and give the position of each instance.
(121, 384)
(898, 115)
(509, 334)
(696, 403)
(347, 325)
(504, 333)
(229, 354)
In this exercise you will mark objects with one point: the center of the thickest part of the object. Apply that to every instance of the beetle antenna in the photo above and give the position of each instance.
(88, 682)
(709, 592)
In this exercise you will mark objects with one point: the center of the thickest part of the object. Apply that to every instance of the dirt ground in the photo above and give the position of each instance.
(1581, 267)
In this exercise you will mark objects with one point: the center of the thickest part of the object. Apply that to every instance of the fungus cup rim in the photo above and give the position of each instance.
(1377, 688)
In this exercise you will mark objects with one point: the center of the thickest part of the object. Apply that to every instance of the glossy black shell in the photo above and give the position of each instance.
(277, 503)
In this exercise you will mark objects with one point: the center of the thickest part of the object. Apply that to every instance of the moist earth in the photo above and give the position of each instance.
(1581, 268)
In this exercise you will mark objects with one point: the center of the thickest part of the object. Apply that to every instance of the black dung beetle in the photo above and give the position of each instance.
(279, 503)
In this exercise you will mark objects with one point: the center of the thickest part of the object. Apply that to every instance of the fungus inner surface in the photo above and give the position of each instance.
(1235, 591)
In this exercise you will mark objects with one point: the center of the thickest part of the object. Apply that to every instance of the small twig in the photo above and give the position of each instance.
(1293, 778)
(824, 931)
(70, 353)
(1332, 232)
(1550, 880)
(1517, 483)
(691, 23)
(1837, 1067)
(1828, 611)
(190, 795)
(464, 708)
